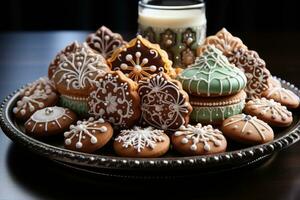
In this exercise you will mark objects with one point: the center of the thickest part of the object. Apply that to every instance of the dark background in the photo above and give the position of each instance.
(238, 16)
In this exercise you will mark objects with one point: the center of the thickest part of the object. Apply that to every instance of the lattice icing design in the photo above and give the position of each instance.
(206, 135)
(140, 138)
(254, 69)
(105, 41)
(212, 74)
(85, 130)
(164, 104)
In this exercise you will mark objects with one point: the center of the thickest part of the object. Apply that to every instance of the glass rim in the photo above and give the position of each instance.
(194, 6)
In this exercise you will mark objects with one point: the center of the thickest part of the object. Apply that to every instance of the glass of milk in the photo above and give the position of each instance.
(178, 26)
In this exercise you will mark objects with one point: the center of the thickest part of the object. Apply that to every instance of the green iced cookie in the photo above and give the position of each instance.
(212, 75)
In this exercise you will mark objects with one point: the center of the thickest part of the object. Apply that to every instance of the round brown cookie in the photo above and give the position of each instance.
(75, 75)
(104, 41)
(116, 100)
(57, 60)
(37, 95)
(198, 140)
(88, 135)
(247, 129)
(224, 41)
(255, 70)
(141, 142)
(140, 58)
(165, 105)
(50, 121)
(271, 112)
(284, 96)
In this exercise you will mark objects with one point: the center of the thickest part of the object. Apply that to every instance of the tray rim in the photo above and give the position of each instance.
(240, 156)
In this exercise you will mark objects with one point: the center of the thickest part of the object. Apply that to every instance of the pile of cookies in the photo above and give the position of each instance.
(107, 91)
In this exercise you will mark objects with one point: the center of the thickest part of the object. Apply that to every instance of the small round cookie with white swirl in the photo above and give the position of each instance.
(88, 135)
(50, 121)
(141, 142)
(37, 95)
(247, 129)
(198, 140)
(269, 111)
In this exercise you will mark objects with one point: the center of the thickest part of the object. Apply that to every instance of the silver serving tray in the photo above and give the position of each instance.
(105, 162)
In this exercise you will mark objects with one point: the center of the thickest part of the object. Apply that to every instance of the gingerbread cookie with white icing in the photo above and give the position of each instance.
(165, 105)
(58, 58)
(224, 41)
(50, 121)
(284, 96)
(75, 75)
(37, 95)
(255, 70)
(140, 58)
(198, 140)
(141, 142)
(247, 129)
(88, 135)
(104, 41)
(115, 99)
(269, 111)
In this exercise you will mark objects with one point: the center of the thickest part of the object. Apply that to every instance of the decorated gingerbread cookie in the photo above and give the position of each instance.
(269, 111)
(163, 102)
(104, 41)
(140, 58)
(212, 75)
(88, 135)
(141, 142)
(247, 129)
(35, 96)
(115, 99)
(58, 58)
(50, 121)
(214, 110)
(224, 41)
(75, 75)
(198, 140)
(284, 96)
(255, 70)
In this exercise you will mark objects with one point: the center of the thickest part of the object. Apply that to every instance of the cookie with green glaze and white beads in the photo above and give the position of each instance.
(198, 140)
(50, 121)
(212, 75)
(88, 135)
(269, 111)
(35, 96)
(140, 59)
(247, 129)
(214, 110)
(75, 75)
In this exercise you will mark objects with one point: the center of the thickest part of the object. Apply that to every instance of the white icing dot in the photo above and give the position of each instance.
(78, 145)
(103, 129)
(93, 140)
(67, 141)
(101, 120)
(194, 147)
(153, 68)
(184, 140)
(128, 57)
(124, 66)
(138, 54)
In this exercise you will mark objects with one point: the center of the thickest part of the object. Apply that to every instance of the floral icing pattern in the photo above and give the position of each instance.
(164, 104)
(114, 100)
(140, 138)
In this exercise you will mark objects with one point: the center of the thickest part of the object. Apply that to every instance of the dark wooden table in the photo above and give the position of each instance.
(24, 57)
